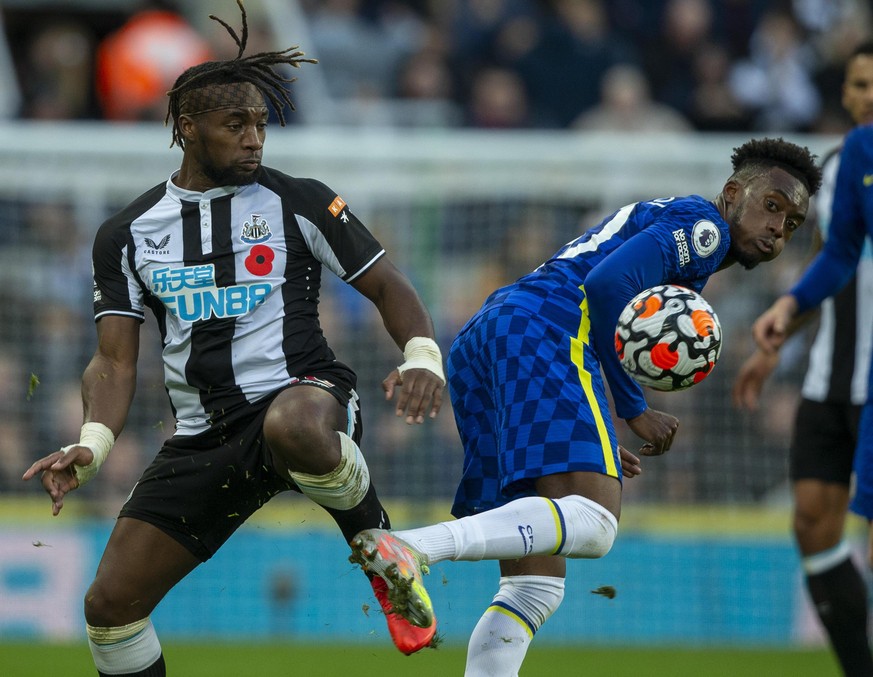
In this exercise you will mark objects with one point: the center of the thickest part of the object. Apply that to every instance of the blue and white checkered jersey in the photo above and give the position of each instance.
(672, 240)
(524, 372)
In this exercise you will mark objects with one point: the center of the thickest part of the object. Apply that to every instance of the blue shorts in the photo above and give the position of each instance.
(529, 401)
(862, 501)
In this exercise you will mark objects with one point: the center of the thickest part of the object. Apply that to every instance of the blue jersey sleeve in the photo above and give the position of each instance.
(635, 265)
(835, 264)
(692, 237)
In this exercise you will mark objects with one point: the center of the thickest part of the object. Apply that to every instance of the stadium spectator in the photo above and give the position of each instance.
(775, 82)
(670, 53)
(542, 465)
(477, 30)
(834, 42)
(56, 73)
(560, 48)
(712, 106)
(498, 100)
(426, 86)
(342, 35)
(562, 70)
(626, 105)
(425, 77)
(136, 65)
(229, 254)
(825, 431)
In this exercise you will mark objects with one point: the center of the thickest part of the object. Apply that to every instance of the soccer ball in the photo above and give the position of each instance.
(668, 338)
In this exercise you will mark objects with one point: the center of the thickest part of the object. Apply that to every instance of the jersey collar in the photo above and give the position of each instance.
(194, 196)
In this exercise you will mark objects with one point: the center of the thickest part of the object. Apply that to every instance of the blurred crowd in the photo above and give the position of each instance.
(656, 65)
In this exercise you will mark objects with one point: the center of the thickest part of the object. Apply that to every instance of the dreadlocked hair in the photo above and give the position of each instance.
(761, 154)
(258, 70)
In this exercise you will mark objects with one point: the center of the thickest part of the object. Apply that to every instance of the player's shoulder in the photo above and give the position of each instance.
(859, 139)
(123, 218)
(691, 227)
(682, 208)
(278, 180)
(309, 197)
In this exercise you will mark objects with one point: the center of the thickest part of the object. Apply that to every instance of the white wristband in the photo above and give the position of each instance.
(423, 353)
(99, 439)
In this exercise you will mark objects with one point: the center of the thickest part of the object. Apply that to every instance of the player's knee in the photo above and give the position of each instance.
(111, 602)
(345, 486)
(291, 426)
(104, 610)
(816, 532)
(804, 526)
(294, 432)
(533, 598)
(591, 528)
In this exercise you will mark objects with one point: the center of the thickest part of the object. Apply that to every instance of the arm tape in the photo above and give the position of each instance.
(422, 353)
(99, 439)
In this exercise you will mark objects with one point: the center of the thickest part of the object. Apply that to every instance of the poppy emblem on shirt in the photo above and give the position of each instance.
(260, 260)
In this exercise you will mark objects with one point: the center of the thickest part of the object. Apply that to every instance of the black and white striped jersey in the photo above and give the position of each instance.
(233, 277)
(839, 360)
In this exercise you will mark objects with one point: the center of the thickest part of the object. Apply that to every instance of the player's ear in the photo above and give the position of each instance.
(187, 128)
(730, 191)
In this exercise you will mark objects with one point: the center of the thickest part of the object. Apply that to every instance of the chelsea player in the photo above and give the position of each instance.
(542, 466)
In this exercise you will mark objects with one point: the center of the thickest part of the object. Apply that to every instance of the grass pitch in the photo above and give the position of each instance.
(329, 660)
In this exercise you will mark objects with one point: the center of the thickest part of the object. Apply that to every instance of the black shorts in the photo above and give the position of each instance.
(823, 444)
(199, 489)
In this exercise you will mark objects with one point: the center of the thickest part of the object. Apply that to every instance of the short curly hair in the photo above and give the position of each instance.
(258, 69)
(759, 155)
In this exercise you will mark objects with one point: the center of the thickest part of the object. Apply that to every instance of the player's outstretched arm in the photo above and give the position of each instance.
(420, 377)
(773, 326)
(751, 377)
(776, 326)
(108, 385)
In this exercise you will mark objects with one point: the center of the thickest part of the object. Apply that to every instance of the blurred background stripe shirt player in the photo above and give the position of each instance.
(833, 268)
(825, 432)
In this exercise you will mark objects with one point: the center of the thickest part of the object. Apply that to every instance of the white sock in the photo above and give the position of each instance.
(827, 559)
(572, 526)
(124, 650)
(503, 634)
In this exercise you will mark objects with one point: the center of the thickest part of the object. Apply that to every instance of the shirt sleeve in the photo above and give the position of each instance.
(693, 240)
(636, 265)
(335, 236)
(836, 263)
(117, 290)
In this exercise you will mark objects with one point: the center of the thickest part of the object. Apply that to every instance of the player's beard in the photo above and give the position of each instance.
(744, 258)
(229, 176)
